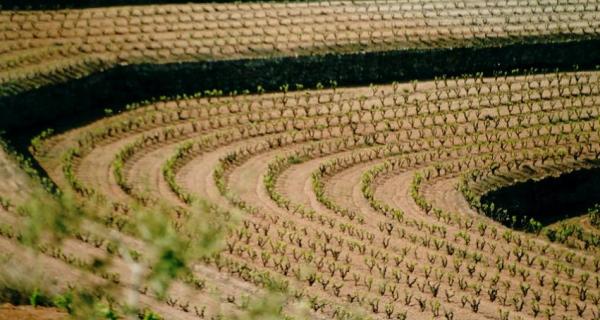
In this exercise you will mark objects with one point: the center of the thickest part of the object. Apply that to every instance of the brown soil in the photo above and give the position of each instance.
(411, 241)
(10, 312)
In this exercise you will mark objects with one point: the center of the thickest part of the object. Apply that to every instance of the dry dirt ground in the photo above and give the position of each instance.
(14, 181)
(10, 312)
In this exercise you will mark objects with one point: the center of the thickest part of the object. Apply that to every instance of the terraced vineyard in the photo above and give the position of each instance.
(45, 47)
(364, 202)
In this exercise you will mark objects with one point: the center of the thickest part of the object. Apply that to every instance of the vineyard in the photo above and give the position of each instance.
(40, 47)
(371, 201)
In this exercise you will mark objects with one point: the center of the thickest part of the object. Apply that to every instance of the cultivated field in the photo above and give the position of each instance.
(44, 47)
(364, 202)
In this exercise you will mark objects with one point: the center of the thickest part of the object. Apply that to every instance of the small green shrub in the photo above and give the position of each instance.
(594, 214)
(65, 302)
(149, 315)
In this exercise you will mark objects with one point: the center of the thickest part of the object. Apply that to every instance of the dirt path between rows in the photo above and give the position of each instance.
(10, 312)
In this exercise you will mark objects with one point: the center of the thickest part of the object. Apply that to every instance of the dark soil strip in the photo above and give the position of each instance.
(551, 199)
(79, 101)
(80, 4)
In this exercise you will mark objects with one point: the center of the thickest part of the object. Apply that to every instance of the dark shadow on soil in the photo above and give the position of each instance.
(80, 4)
(77, 102)
(551, 199)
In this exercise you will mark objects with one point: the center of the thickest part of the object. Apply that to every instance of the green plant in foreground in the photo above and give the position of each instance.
(169, 250)
(34, 298)
(50, 218)
(149, 315)
(594, 214)
(65, 302)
